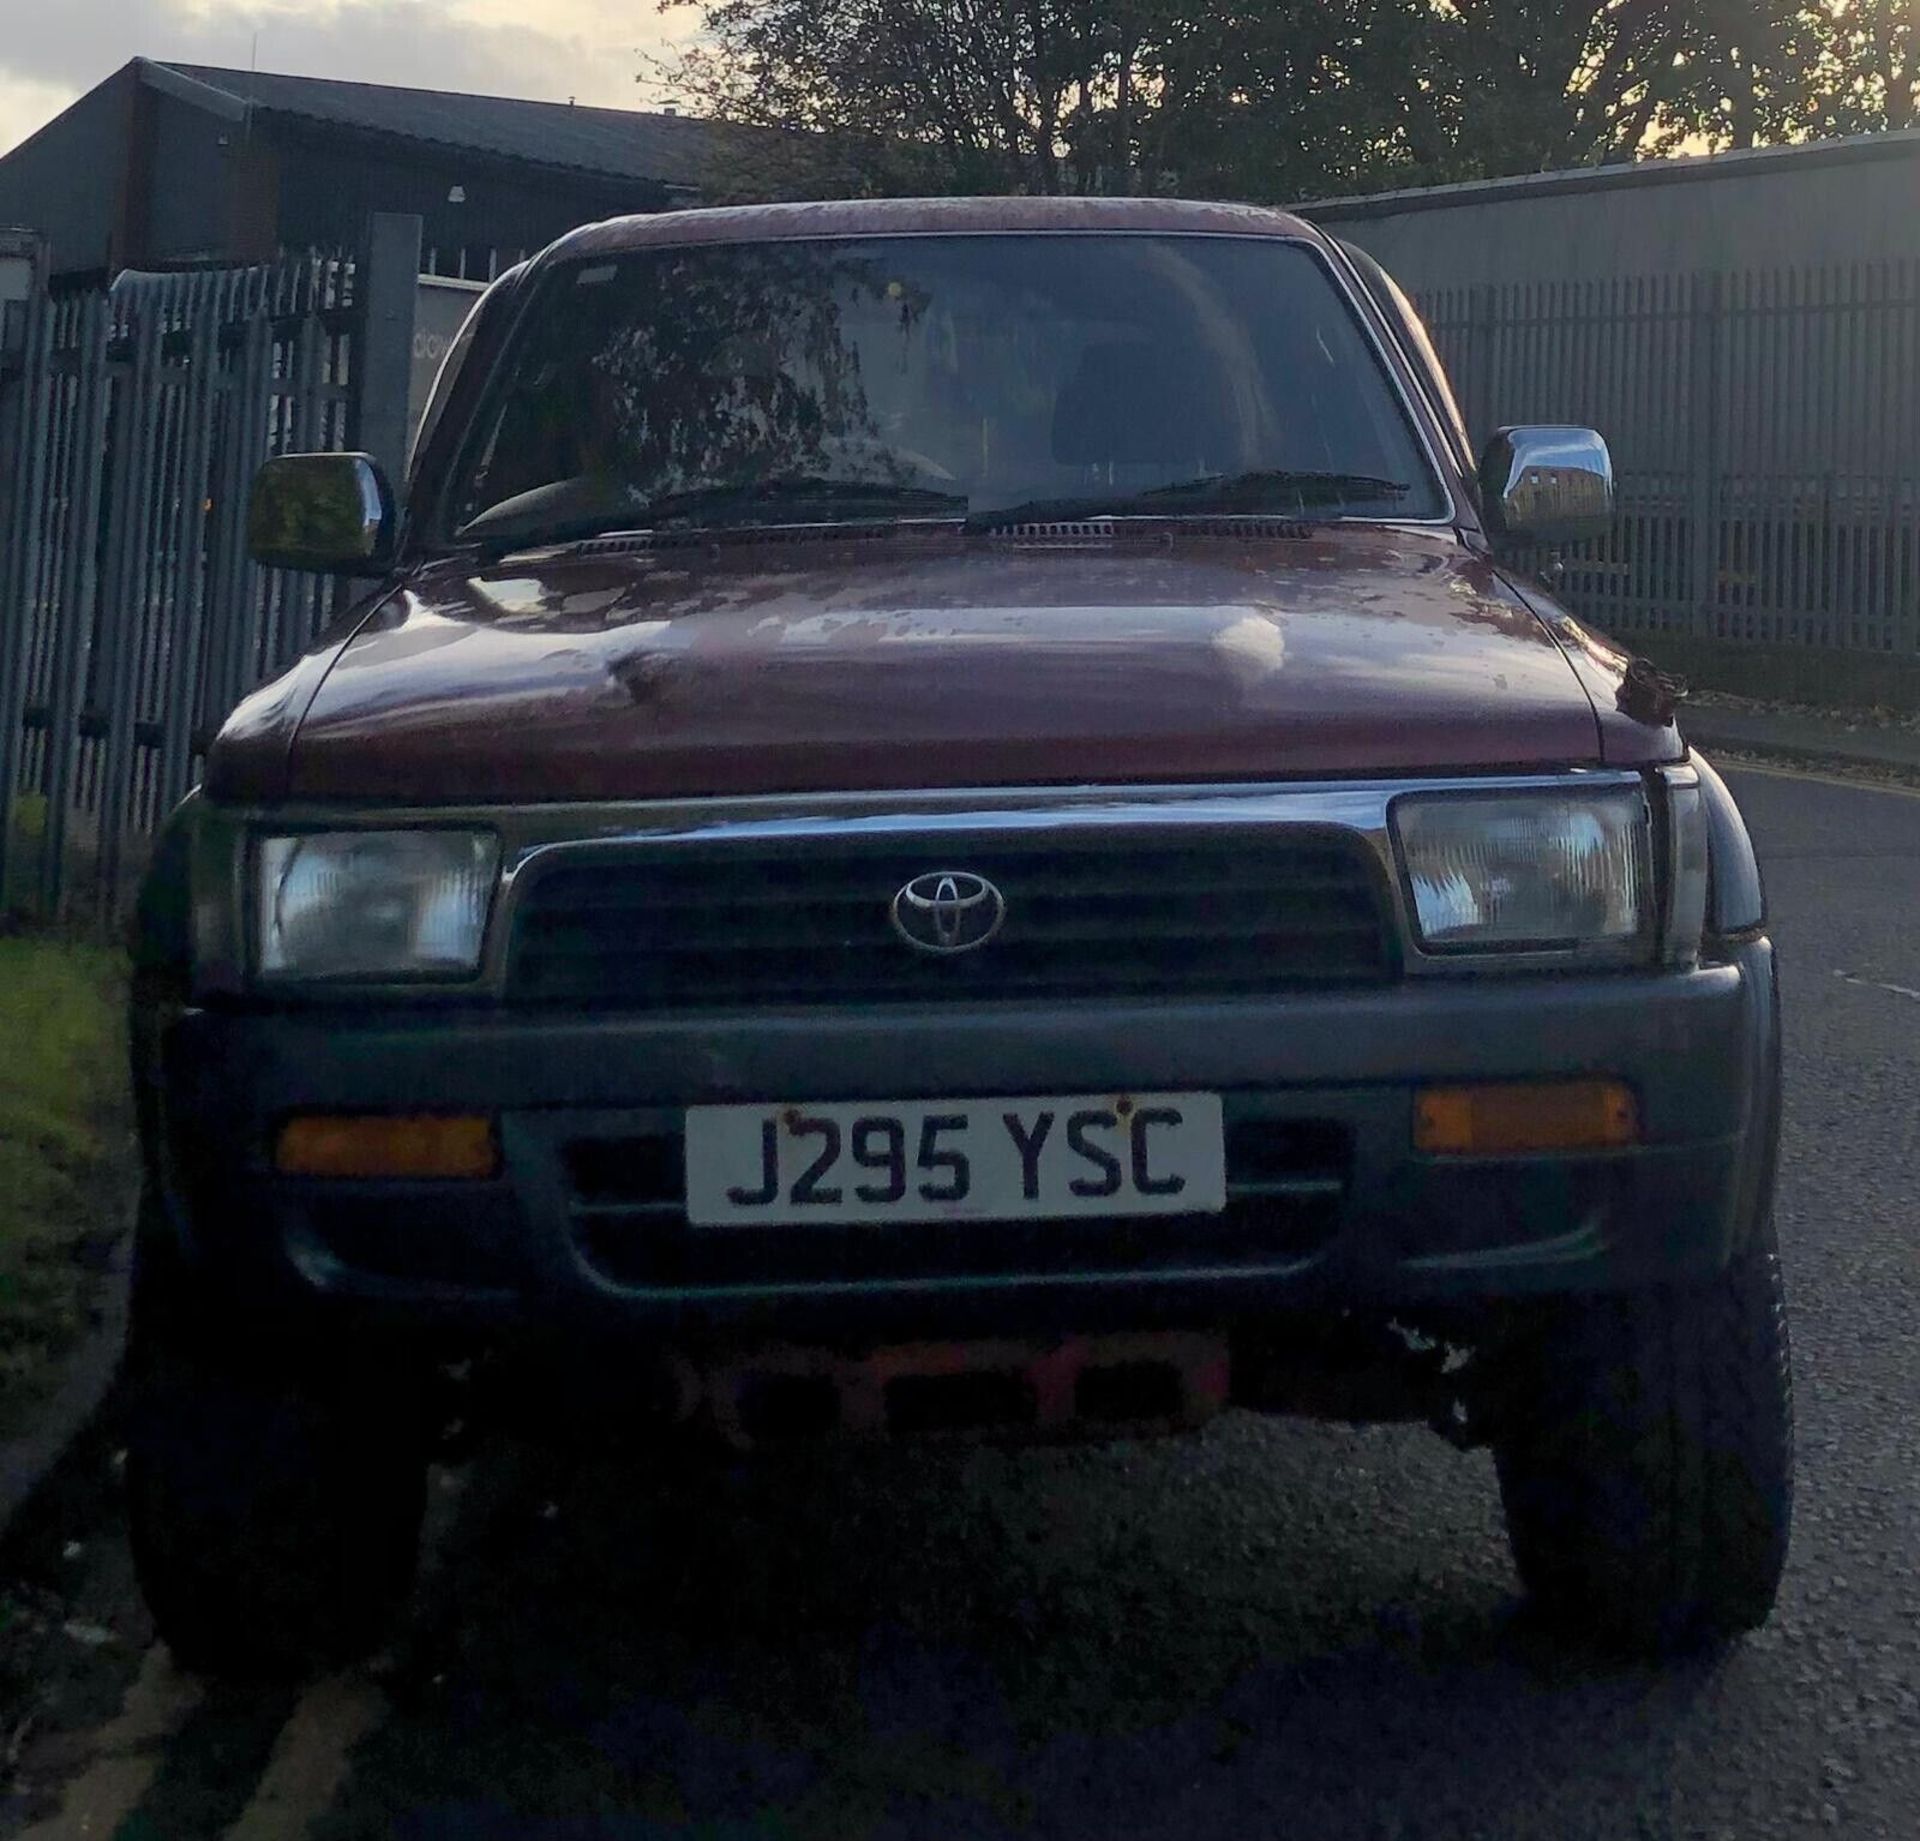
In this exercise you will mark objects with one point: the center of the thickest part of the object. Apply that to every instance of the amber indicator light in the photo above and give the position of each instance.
(1491, 1121)
(419, 1147)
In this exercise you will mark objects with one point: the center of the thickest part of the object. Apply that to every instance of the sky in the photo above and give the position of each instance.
(592, 50)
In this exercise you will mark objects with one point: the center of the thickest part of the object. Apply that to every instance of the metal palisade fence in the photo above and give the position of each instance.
(131, 617)
(1766, 432)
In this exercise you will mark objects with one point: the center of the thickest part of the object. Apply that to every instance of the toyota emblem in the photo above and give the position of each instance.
(948, 911)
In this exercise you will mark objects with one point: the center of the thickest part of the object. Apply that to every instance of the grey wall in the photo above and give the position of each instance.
(64, 181)
(1855, 201)
(200, 186)
(193, 158)
(330, 180)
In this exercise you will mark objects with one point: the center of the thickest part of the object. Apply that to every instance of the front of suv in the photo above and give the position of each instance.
(877, 832)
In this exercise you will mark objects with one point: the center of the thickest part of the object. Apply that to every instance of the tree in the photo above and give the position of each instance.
(897, 95)
(1870, 70)
(1516, 86)
(1283, 100)
(1057, 95)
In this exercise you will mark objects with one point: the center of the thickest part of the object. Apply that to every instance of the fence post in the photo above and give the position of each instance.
(1482, 326)
(386, 288)
(22, 281)
(76, 588)
(23, 383)
(179, 704)
(1704, 315)
(125, 600)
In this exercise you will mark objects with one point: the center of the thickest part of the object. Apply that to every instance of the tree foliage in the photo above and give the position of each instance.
(1274, 99)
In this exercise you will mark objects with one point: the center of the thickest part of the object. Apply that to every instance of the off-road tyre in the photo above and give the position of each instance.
(274, 1498)
(1646, 1460)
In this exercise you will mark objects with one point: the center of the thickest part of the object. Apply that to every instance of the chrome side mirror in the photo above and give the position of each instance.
(1546, 485)
(329, 513)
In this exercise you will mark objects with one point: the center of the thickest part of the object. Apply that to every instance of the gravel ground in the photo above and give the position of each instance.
(1731, 760)
(1863, 720)
(1276, 1628)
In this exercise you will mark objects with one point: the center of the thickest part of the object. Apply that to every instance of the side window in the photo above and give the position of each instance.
(1401, 314)
(443, 382)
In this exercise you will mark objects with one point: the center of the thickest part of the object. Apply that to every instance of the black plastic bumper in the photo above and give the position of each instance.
(1336, 1070)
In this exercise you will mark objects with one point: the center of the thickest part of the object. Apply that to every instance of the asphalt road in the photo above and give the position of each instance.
(1277, 1629)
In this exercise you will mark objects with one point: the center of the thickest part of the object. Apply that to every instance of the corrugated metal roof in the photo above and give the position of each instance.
(669, 150)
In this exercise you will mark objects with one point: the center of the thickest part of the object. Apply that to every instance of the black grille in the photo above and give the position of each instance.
(1286, 1185)
(806, 922)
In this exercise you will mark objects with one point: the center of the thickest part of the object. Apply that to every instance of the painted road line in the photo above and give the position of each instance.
(1874, 984)
(127, 1751)
(310, 1758)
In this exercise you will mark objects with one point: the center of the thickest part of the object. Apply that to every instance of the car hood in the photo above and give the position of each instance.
(931, 661)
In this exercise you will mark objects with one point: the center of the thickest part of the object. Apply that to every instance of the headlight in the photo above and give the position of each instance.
(374, 904)
(1527, 870)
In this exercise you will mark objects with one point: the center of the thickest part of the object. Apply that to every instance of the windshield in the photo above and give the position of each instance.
(940, 376)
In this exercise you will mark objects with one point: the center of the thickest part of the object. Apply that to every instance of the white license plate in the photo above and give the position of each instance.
(957, 1160)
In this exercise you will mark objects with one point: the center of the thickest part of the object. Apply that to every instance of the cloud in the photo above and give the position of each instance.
(591, 49)
(26, 103)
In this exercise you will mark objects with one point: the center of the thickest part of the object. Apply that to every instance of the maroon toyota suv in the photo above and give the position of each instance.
(952, 817)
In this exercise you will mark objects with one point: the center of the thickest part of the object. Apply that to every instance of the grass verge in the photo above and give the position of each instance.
(65, 1151)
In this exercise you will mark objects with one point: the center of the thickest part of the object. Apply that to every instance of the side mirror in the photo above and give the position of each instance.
(1546, 485)
(329, 513)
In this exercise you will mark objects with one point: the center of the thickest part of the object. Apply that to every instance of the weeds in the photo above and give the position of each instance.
(64, 1145)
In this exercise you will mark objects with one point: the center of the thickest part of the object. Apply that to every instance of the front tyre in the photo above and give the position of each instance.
(274, 1503)
(1646, 1460)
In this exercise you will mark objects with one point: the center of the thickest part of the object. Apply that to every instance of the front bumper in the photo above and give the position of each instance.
(1320, 1084)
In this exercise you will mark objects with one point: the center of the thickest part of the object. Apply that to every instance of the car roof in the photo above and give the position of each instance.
(863, 217)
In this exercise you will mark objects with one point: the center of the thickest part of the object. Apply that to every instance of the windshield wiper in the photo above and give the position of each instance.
(819, 494)
(1259, 490)
(556, 514)
(1272, 491)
